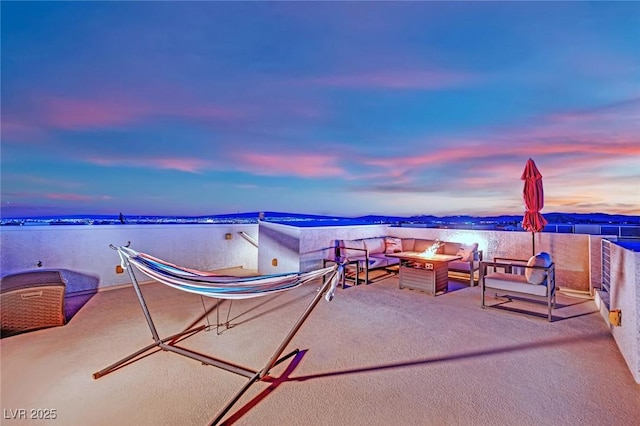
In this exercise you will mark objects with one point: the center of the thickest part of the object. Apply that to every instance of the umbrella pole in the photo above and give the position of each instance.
(533, 242)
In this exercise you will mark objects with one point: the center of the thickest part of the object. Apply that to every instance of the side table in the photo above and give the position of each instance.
(346, 263)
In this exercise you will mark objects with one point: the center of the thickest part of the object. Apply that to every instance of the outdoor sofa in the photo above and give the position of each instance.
(369, 254)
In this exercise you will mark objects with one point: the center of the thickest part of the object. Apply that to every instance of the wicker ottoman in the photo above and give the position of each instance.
(31, 300)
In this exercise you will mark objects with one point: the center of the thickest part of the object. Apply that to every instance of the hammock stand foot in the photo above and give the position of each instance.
(253, 376)
(139, 353)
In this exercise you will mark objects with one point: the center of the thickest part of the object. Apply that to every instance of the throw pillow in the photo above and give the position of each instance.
(392, 245)
(534, 275)
(466, 251)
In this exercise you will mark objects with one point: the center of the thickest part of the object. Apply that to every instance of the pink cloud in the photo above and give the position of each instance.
(75, 197)
(190, 165)
(21, 130)
(67, 113)
(118, 110)
(304, 165)
(567, 144)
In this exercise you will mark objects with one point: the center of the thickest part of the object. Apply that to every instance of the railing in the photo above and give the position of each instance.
(606, 266)
(620, 231)
(249, 238)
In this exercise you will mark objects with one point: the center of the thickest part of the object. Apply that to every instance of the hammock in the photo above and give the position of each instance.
(216, 285)
(221, 287)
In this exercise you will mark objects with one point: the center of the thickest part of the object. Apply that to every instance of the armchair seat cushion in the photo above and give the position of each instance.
(513, 282)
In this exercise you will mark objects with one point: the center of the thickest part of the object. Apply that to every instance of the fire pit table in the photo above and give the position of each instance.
(420, 271)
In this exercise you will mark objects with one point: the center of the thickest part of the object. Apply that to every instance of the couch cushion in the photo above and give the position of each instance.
(421, 245)
(380, 260)
(511, 282)
(537, 276)
(451, 248)
(375, 261)
(374, 245)
(459, 265)
(393, 245)
(352, 244)
(466, 251)
(408, 243)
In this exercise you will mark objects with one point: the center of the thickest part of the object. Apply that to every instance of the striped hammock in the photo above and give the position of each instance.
(218, 285)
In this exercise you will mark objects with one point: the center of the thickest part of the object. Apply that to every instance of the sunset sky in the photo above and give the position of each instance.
(342, 108)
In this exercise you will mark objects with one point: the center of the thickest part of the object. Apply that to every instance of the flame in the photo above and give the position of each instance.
(431, 251)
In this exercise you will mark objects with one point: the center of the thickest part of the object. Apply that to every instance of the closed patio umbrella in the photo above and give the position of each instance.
(533, 195)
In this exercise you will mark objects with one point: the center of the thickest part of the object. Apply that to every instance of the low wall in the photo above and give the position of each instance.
(82, 252)
(300, 248)
(570, 252)
(624, 294)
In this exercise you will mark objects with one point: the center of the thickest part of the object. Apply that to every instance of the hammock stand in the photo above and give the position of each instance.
(225, 287)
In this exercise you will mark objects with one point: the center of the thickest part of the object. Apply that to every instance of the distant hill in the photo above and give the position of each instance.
(248, 217)
(572, 218)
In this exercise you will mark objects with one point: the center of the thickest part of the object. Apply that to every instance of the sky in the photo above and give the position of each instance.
(338, 108)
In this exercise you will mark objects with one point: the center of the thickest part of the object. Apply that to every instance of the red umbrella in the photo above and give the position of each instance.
(533, 201)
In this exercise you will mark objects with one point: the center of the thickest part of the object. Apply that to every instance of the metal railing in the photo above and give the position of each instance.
(620, 231)
(249, 238)
(606, 266)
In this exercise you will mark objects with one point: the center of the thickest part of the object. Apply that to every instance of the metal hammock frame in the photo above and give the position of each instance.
(222, 287)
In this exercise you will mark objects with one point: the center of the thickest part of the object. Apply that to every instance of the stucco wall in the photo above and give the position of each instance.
(299, 248)
(84, 256)
(570, 252)
(625, 295)
(279, 243)
(302, 249)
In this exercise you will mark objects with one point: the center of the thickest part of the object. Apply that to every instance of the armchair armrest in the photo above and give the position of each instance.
(508, 266)
(510, 260)
(330, 253)
(339, 252)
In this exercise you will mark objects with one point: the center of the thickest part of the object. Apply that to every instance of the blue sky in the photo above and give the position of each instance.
(345, 108)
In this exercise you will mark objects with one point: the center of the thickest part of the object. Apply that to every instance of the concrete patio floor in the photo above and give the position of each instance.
(375, 355)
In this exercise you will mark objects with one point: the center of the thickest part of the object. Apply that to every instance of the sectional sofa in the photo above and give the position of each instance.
(370, 254)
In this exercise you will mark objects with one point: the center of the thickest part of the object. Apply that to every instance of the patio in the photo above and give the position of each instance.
(375, 355)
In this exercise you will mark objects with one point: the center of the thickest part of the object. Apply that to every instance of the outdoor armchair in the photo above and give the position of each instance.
(533, 278)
